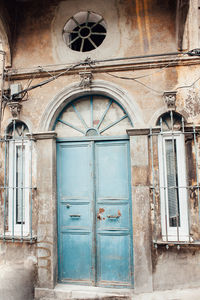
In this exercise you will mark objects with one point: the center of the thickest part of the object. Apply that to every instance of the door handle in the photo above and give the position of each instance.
(75, 216)
(113, 217)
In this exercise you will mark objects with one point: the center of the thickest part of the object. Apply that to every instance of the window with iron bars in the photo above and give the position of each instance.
(16, 183)
(175, 180)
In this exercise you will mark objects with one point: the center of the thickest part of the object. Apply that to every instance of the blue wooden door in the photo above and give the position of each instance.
(75, 212)
(94, 213)
(113, 229)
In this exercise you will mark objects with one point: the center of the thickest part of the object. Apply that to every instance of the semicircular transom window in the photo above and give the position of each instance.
(170, 121)
(17, 130)
(93, 115)
(85, 31)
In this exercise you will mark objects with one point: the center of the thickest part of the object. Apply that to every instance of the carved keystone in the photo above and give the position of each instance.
(170, 99)
(86, 79)
(15, 108)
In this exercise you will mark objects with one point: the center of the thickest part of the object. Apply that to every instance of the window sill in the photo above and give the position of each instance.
(177, 244)
(10, 238)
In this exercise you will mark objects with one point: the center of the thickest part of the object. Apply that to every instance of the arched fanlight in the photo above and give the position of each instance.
(92, 115)
(170, 121)
(17, 129)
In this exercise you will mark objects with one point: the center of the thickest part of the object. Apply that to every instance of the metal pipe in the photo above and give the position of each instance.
(154, 201)
(5, 190)
(2, 86)
(31, 190)
(22, 190)
(175, 180)
(14, 189)
(188, 202)
(164, 173)
(196, 158)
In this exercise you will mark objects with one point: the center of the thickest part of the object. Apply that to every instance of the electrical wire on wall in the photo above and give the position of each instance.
(92, 63)
(150, 88)
(195, 52)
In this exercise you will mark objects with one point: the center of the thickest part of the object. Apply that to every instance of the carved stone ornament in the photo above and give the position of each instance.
(170, 99)
(15, 108)
(86, 79)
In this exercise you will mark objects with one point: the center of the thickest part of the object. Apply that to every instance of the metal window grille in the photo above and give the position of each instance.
(16, 191)
(168, 190)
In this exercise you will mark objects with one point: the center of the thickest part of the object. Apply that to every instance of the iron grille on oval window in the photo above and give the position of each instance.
(84, 32)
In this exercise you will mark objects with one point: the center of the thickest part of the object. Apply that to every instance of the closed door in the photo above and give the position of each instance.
(94, 213)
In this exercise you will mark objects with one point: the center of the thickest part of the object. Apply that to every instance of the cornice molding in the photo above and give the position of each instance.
(157, 130)
(114, 66)
(142, 131)
(42, 135)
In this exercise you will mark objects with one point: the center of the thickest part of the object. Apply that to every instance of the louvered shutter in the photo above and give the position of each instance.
(172, 181)
(20, 173)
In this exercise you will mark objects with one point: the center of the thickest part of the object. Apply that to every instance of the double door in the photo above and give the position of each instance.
(94, 213)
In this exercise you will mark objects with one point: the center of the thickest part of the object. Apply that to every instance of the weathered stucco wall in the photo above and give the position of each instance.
(148, 100)
(134, 28)
(175, 268)
(17, 270)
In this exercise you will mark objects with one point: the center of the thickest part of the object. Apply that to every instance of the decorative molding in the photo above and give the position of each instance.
(15, 108)
(42, 135)
(170, 99)
(142, 131)
(86, 79)
(102, 87)
(138, 131)
(156, 130)
(113, 66)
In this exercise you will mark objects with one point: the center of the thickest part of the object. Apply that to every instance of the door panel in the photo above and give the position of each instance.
(112, 170)
(75, 219)
(113, 214)
(76, 183)
(75, 215)
(94, 213)
(76, 251)
(113, 259)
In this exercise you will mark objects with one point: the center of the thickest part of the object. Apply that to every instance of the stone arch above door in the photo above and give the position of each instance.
(99, 87)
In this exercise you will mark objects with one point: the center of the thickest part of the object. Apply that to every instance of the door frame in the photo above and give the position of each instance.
(102, 139)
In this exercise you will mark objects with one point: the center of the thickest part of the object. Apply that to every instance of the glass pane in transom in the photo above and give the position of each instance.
(93, 115)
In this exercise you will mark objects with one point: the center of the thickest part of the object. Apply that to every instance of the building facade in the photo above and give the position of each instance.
(99, 171)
